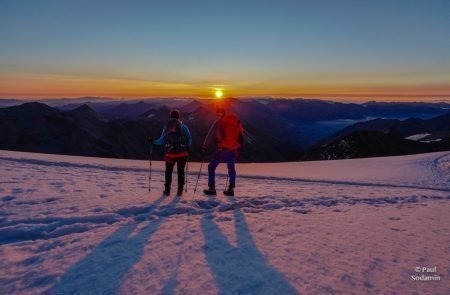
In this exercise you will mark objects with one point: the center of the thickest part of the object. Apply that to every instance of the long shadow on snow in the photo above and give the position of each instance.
(242, 269)
(171, 284)
(104, 269)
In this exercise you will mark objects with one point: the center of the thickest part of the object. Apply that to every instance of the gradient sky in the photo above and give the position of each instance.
(385, 49)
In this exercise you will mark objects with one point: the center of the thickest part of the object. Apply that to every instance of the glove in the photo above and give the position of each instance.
(151, 140)
(204, 148)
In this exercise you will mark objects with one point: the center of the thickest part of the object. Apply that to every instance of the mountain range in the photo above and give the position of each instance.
(275, 130)
(36, 127)
(385, 137)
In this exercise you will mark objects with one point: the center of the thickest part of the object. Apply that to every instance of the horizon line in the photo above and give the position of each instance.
(435, 98)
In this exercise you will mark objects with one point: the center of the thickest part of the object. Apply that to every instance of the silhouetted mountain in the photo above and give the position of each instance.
(364, 144)
(87, 112)
(320, 110)
(401, 128)
(274, 130)
(10, 102)
(296, 110)
(385, 137)
(126, 110)
(158, 114)
(262, 143)
(405, 109)
(192, 106)
(315, 110)
(36, 127)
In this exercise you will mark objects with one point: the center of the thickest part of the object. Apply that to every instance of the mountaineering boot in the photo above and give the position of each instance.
(180, 191)
(211, 190)
(229, 191)
(166, 191)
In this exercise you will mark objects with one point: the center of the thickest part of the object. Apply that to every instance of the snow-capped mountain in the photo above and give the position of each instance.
(368, 143)
(403, 128)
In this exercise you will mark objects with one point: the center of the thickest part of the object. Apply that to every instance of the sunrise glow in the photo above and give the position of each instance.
(218, 93)
(160, 50)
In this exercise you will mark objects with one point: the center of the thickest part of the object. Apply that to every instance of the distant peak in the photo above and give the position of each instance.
(84, 108)
(194, 102)
(164, 108)
(34, 106)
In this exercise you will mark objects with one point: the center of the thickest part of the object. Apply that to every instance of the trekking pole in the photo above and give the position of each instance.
(150, 165)
(198, 176)
(226, 182)
(186, 174)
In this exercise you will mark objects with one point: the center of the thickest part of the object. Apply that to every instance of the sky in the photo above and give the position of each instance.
(343, 50)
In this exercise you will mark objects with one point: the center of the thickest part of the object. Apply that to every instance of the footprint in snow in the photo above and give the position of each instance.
(7, 198)
(17, 190)
(49, 200)
(207, 204)
(394, 218)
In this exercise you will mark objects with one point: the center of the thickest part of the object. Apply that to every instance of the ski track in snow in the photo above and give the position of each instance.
(70, 226)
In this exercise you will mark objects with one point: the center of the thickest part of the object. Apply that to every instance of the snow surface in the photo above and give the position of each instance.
(421, 137)
(80, 225)
(417, 137)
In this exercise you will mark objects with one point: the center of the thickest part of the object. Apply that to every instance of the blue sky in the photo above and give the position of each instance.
(278, 48)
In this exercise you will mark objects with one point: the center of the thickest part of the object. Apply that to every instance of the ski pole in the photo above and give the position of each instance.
(226, 182)
(186, 174)
(198, 176)
(150, 165)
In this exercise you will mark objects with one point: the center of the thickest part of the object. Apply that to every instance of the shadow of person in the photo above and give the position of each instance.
(171, 284)
(242, 269)
(103, 270)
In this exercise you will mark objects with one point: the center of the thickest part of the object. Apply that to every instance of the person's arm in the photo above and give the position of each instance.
(160, 140)
(211, 133)
(187, 135)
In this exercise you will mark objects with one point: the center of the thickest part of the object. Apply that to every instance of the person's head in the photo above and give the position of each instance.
(220, 112)
(175, 114)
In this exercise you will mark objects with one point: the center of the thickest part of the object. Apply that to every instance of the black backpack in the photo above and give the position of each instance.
(174, 141)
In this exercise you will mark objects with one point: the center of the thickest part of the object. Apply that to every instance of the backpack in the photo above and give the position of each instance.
(174, 141)
(230, 132)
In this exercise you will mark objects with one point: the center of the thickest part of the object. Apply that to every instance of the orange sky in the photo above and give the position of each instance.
(30, 85)
(341, 50)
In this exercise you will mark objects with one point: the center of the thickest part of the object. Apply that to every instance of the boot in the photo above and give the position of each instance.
(180, 191)
(166, 191)
(229, 191)
(211, 190)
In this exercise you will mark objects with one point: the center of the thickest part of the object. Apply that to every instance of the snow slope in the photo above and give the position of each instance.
(78, 225)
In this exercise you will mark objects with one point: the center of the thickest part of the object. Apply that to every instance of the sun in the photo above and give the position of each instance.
(218, 93)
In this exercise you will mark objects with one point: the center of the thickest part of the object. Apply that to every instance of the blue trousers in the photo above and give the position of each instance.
(222, 156)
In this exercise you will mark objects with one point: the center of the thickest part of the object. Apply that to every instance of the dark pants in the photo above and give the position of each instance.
(227, 156)
(181, 164)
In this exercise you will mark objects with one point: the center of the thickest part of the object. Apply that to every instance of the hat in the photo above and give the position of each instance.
(175, 114)
(220, 111)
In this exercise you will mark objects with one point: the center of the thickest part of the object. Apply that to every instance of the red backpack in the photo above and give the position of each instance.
(230, 132)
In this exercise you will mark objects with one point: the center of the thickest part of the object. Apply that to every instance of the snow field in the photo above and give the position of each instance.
(73, 225)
